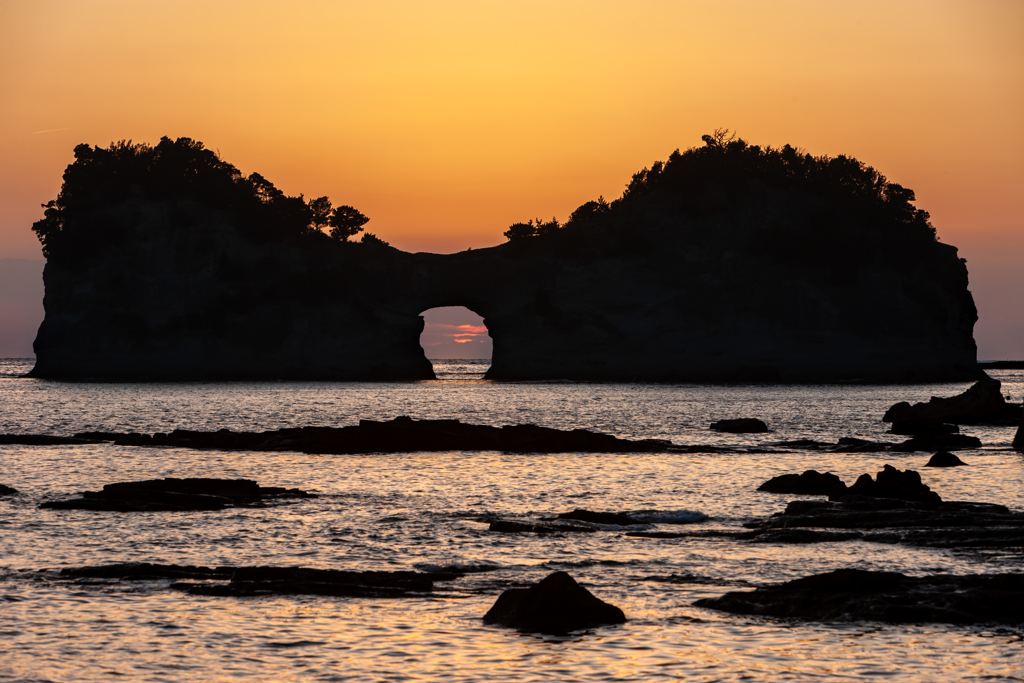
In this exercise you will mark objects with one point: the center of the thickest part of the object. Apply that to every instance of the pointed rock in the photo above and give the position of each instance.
(555, 605)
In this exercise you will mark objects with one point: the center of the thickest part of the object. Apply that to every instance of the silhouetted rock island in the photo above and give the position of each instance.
(726, 262)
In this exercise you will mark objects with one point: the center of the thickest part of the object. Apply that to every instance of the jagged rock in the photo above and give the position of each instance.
(915, 427)
(860, 595)
(944, 459)
(400, 435)
(618, 518)
(555, 605)
(890, 483)
(743, 425)
(171, 494)
(982, 403)
(811, 482)
(938, 442)
(7, 490)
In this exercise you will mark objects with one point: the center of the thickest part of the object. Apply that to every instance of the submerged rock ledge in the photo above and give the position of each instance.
(400, 435)
(860, 595)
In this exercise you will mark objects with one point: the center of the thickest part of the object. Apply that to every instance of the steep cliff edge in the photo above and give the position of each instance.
(723, 275)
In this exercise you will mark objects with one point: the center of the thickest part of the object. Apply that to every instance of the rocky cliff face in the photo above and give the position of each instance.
(185, 296)
(728, 263)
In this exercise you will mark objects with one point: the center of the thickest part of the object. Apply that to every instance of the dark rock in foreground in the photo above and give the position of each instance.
(982, 403)
(260, 580)
(811, 482)
(7, 490)
(740, 426)
(400, 435)
(616, 518)
(859, 595)
(172, 495)
(944, 459)
(890, 483)
(555, 605)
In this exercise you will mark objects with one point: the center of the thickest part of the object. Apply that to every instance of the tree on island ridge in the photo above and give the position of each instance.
(345, 222)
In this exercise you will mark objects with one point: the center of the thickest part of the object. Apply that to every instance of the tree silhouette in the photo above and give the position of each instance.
(345, 222)
(321, 208)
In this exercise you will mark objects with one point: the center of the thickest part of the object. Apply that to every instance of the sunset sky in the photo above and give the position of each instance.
(447, 121)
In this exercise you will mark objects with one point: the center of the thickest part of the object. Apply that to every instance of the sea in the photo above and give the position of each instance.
(430, 511)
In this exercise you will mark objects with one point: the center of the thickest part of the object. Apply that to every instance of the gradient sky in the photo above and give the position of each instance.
(447, 121)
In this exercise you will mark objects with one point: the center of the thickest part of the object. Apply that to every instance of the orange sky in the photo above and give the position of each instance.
(447, 121)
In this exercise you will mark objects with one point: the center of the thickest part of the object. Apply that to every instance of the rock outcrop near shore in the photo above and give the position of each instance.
(860, 595)
(727, 262)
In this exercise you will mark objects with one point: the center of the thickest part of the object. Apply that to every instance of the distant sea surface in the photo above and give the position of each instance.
(430, 510)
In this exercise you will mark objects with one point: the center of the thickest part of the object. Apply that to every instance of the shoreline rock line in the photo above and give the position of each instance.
(177, 495)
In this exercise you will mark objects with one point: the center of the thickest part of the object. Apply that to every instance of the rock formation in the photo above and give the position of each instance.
(860, 595)
(728, 262)
(555, 605)
(982, 403)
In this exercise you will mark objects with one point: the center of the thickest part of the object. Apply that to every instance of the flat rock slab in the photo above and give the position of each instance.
(859, 595)
(176, 495)
(614, 518)
(743, 425)
(555, 605)
(950, 524)
(810, 482)
(45, 440)
(264, 580)
(401, 435)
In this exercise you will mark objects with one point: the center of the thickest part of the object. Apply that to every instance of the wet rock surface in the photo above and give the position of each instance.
(743, 425)
(944, 459)
(859, 595)
(400, 435)
(810, 482)
(982, 403)
(555, 605)
(175, 495)
(264, 580)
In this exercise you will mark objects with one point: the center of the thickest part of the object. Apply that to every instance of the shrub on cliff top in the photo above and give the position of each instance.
(176, 169)
(712, 178)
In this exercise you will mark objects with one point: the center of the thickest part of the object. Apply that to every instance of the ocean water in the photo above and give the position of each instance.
(429, 510)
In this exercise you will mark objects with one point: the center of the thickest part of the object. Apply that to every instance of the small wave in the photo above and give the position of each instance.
(670, 516)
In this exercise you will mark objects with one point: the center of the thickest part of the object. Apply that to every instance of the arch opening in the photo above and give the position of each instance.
(456, 341)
